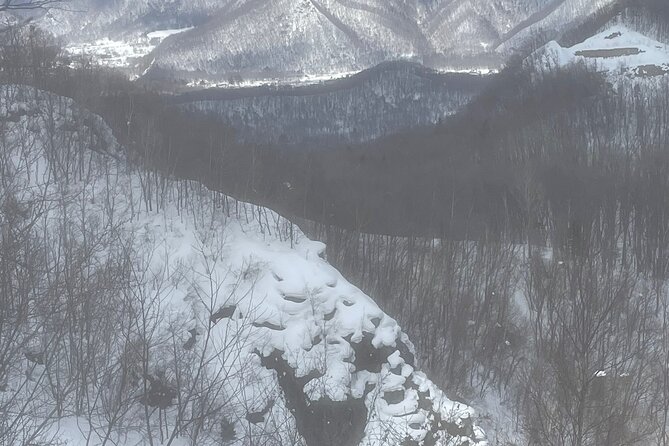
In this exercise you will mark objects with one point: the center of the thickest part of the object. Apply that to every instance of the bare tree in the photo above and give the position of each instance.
(28, 5)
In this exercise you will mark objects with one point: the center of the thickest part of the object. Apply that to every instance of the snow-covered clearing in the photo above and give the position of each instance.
(121, 53)
(617, 50)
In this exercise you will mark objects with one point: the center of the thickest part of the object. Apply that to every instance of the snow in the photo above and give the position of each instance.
(296, 80)
(617, 50)
(497, 416)
(121, 53)
(319, 78)
(477, 71)
(165, 33)
(200, 257)
(111, 53)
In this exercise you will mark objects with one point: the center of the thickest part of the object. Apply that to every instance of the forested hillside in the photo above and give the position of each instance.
(387, 99)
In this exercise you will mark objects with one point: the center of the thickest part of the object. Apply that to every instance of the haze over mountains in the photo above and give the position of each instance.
(250, 39)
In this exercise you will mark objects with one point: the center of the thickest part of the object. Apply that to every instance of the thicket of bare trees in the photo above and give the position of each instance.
(568, 321)
(85, 331)
(27, 5)
(94, 339)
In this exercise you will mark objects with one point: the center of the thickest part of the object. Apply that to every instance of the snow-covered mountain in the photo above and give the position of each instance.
(206, 319)
(285, 38)
(280, 39)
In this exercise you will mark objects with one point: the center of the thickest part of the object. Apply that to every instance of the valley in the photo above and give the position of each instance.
(336, 222)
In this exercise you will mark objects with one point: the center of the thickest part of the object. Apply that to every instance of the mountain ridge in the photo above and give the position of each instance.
(280, 38)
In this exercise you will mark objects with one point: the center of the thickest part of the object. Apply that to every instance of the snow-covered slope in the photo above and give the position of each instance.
(239, 317)
(288, 38)
(552, 19)
(95, 19)
(474, 26)
(616, 50)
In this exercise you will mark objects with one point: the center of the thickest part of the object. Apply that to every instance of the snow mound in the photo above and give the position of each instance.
(616, 51)
(286, 345)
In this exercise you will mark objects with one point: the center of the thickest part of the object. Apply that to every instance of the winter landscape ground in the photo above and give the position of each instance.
(334, 222)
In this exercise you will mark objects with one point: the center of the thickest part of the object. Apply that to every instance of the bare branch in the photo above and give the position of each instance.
(27, 5)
